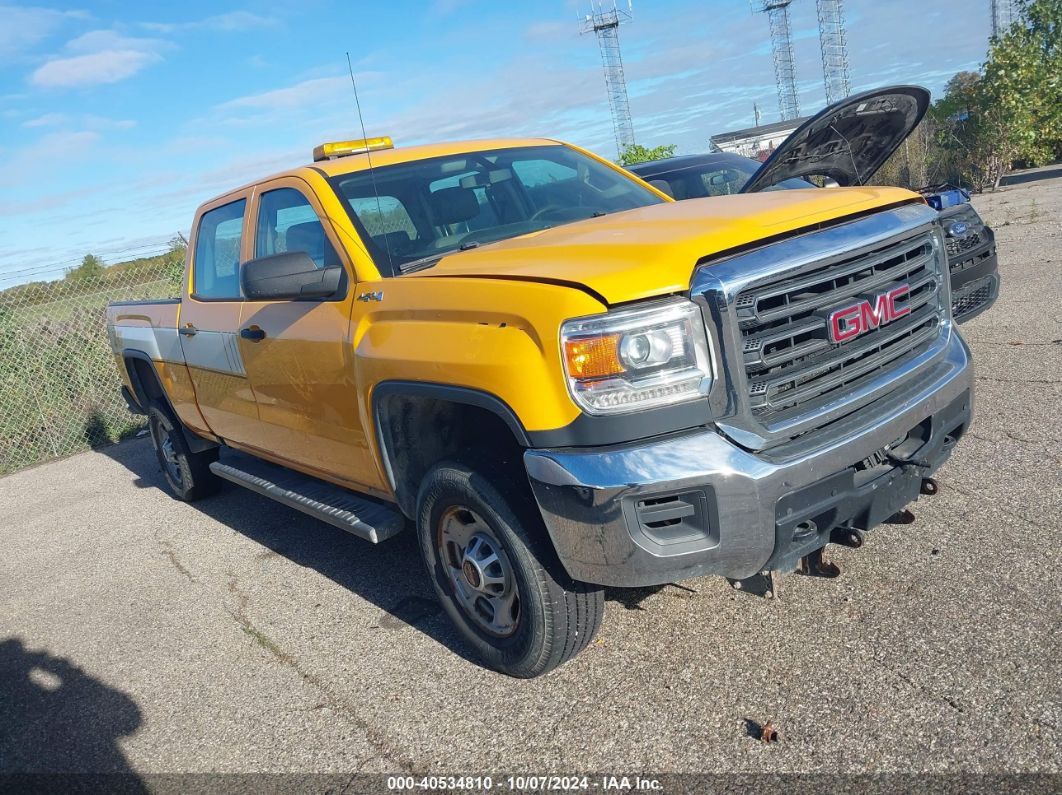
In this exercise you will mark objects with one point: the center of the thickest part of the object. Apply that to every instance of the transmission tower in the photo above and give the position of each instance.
(1003, 16)
(604, 22)
(834, 49)
(777, 12)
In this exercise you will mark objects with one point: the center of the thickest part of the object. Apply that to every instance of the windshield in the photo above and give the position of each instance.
(721, 175)
(412, 214)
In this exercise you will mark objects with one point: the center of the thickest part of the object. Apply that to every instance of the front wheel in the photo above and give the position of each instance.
(498, 579)
(187, 474)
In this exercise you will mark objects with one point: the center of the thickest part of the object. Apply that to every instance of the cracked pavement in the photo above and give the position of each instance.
(140, 633)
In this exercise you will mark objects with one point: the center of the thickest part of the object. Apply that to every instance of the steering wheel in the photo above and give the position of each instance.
(549, 208)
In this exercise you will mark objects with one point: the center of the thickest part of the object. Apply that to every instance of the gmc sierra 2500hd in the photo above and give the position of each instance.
(563, 379)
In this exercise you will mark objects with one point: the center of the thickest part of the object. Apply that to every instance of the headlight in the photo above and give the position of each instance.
(637, 358)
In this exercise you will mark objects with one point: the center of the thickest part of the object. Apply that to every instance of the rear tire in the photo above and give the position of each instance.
(498, 577)
(187, 474)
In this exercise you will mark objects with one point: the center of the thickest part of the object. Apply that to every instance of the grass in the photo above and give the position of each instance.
(59, 385)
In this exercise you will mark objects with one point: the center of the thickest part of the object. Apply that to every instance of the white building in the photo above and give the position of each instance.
(755, 142)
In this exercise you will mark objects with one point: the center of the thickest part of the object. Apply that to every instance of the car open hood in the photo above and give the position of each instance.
(653, 251)
(848, 141)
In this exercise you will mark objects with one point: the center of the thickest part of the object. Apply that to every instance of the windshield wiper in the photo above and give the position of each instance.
(422, 263)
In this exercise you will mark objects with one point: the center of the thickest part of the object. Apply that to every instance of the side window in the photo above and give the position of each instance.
(217, 252)
(287, 222)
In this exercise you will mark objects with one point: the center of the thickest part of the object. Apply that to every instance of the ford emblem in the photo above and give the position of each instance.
(958, 229)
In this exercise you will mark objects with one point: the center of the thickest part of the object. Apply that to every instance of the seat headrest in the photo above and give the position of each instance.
(454, 205)
(394, 242)
(308, 237)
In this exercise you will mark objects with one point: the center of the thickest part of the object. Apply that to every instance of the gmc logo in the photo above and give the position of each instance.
(859, 318)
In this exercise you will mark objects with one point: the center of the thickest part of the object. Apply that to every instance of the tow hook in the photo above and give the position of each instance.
(816, 564)
(767, 584)
(848, 537)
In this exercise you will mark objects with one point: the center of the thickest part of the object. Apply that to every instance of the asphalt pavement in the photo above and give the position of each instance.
(145, 635)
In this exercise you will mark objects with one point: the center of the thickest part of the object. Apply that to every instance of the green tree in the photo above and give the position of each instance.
(90, 269)
(633, 154)
(1021, 92)
(173, 262)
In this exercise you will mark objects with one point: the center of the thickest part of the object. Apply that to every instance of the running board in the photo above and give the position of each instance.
(366, 518)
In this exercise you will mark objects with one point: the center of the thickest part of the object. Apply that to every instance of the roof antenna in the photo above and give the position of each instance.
(372, 174)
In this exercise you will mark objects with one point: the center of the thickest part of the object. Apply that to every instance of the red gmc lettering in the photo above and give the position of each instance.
(851, 321)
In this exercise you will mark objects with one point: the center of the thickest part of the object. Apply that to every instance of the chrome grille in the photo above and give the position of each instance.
(791, 366)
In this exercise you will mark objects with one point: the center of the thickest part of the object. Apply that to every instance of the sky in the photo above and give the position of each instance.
(117, 119)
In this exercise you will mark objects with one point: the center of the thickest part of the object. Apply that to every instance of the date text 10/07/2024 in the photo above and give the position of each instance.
(524, 783)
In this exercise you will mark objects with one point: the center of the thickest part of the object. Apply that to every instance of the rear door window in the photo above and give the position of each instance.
(216, 275)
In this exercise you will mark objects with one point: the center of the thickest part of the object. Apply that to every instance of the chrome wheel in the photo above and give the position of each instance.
(479, 572)
(167, 452)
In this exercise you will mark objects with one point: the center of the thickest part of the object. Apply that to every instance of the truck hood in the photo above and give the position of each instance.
(848, 141)
(652, 251)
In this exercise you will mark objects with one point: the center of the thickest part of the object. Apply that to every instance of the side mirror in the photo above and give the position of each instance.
(291, 275)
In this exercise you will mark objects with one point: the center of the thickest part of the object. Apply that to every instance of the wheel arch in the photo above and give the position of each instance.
(147, 386)
(458, 422)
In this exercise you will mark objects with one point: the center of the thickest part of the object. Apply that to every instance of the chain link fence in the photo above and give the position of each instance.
(59, 388)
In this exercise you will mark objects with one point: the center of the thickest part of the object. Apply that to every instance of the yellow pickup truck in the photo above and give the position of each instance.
(562, 379)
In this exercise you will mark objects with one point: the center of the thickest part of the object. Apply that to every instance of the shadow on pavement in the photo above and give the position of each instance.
(389, 575)
(1025, 177)
(56, 720)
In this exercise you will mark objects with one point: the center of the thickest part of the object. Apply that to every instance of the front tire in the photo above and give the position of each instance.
(187, 474)
(498, 577)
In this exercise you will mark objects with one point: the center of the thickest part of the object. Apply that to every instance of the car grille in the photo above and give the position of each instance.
(959, 245)
(972, 297)
(973, 237)
(792, 367)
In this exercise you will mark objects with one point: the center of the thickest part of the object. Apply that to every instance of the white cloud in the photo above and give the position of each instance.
(99, 57)
(47, 120)
(25, 26)
(87, 122)
(233, 21)
(445, 7)
(308, 92)
(238, 20)
(109, 66)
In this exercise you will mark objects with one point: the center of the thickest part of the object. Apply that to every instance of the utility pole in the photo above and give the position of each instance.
(604, 22)
(1003, 16)
(834, 47)
(777, 12)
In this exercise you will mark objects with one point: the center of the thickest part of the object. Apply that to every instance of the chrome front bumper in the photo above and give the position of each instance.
(739, 512)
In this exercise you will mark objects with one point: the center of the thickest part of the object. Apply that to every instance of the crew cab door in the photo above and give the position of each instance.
(298, 353)
(210, 317)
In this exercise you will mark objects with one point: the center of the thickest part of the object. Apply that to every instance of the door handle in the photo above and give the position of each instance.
(253, 333)
(187, 331)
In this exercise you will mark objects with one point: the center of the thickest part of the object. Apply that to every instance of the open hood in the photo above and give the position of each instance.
(848, 141)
